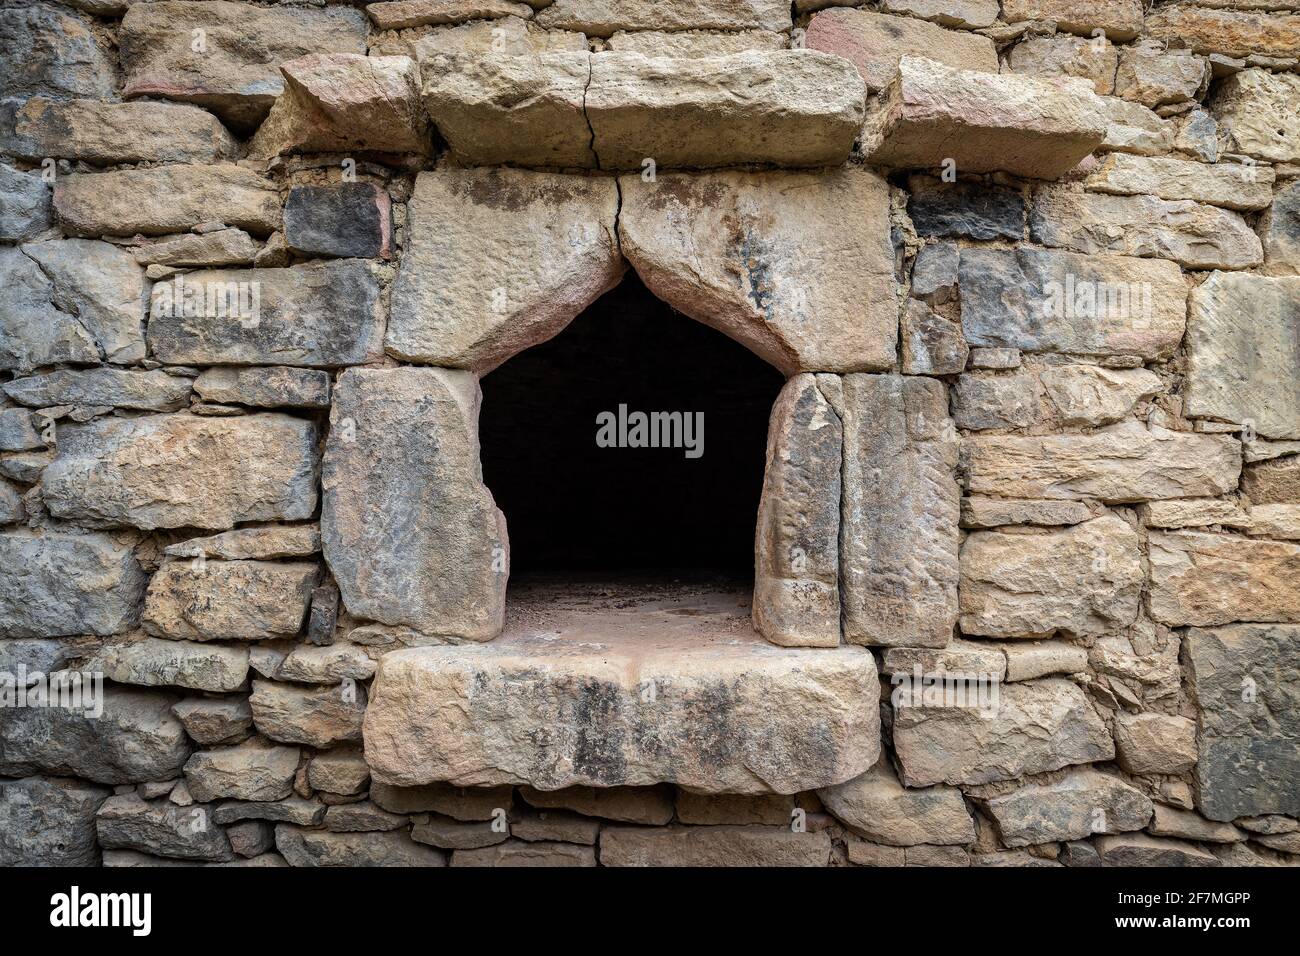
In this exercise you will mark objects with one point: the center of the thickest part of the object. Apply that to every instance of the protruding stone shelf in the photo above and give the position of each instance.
(625, 685)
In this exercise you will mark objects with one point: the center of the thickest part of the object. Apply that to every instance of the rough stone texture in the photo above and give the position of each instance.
(153, 391)
(1133, 128)
(712, 846)
(54, 584)
(796, 585)
(1046, 301)
(1121, 463)
(1083, 581)
(995, 401)
(236, 79)
(983, 122)
(1089, 395)
(1279, 227)
(959, 656)
(1172, 822)
(154, 662)
(321, 848)
(874, 43)
(601, 18)
(691, 43)
(320, 314)
(739, 717)
(1229, 32)
(1031, 659)
(339, 771)
(1118, 19)
(1244, 681)
(263, 542)
(459, 803)
(347, 219)
(967, 209)
(403, 14)
(1243, 361)
(1066, 56)
(1233, 185)
(1081, 804)
(1039, 726)
(1138, 849)
(26, 208)
(767, 809)
(108, 134)
(1155, 743)
(932, 344)
(551, 241)
(136, 738)
(1193, 235)
(314, 716)
(171, 471)
(898, 537)
(253, 770)
(972, 14)
(229, 600)
(1276, 481)
(1149, 75)
(210, 721)
(520, 853)
(161, 829)
(652, 806)
(223, 247)
(795, 266)
(266, 387)
(1204, 579)
(981, 512)
(47, 52)
(412, 444)
(877, 807)
(165, 199)
(49, 821)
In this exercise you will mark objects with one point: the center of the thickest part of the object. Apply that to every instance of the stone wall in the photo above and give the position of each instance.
(1032, 271)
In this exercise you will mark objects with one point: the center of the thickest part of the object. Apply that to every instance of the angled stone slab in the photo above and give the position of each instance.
(152, 662)
(408, 527)
(627, 700)
(796, 266)
(108, 134)
(702, 111)
(497, 260)
(1243, 354)
(900, 510)
(931, 113)
(1082, 803)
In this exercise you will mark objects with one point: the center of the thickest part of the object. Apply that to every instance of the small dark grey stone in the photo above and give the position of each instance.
(967, 209)
(349, 220)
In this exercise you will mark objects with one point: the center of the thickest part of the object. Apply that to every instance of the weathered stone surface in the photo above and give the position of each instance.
(266, 387)
(519, 853)
(344, 102)
(154, 662)
(1234, 185)
(1275, 521)
(322, 848)
(600, 18)
(1244, 679)
(1030, 659)
(932, 343)
(876, 806)
(108, 134)
(1038, 726)
(1082, 581)
(691, 43)
(898, 520)
(767, 809)
(171, 471)
(251, 839)
(70, 300)
(321, 314)
(1204, 579)
(440, 564)
(315, 716)
(234, 78)
(652, 806)
(26, 208)
(696, 112)
(49, 821)
(254, 770)
(713, 846)
(796, 582)
(1091, 395)
(932, 113)
(47, 52)
(152, 391)
(1118, 19)
(968, 209)
(1081, 804)
(459, 803)
(1050, 56)
(1243, 360)
(403, 14)
(1276, 481)
(229, 600)
(136, 738)
(54, 584)
(165, 199)
(1279, 226)
(975, 657)
(1193, 235)
(728, 724)
(305, 663)
(1138, 849)
(800, 272)
(972, 14)
(1151, 75)
(17, 431)
(1045, 301)
(1121, 463)
(295, 810)
(505, 35)
(363, 817)
(223, 247)
(551, 239)
(344, 219)
(981, 401)
(874, 43)
(454, 835)
(1230, 32)
(1133, 128)
(980, 512)
(1197, 136)
(1193, 513)
(1172, 822)
(212, 721)
(12, 508)
(1155, 743)
(183, 833)
(263, 542)
(342, 771)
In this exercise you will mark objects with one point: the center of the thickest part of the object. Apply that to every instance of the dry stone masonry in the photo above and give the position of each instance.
(1027, 553)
